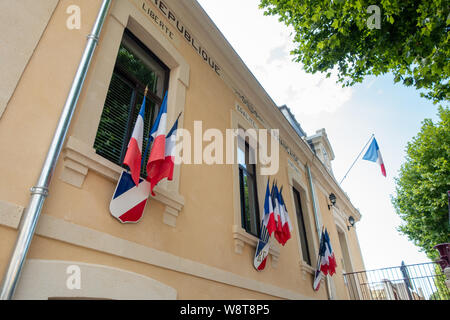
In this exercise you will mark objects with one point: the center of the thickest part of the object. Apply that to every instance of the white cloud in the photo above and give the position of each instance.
(264, 44)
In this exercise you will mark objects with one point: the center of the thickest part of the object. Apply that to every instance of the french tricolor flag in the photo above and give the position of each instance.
(326, 262)
(131, 194)
(164, 169)
(128, 202)
(158, 151)
(373, 154)
(267, 227)
(277, 213)
(279, 233)
(133, 157)
(269, 214)
(287, 225)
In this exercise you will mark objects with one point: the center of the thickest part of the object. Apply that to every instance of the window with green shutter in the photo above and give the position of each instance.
(136, 67)
(248, 192)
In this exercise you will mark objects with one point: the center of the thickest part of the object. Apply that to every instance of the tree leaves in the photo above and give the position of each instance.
(412, 42)
(422, 185)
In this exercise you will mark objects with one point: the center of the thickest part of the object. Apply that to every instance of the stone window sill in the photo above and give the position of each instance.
(306, 268)
(79, 158)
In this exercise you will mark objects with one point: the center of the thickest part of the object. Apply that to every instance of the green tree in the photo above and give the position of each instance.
(422, 184)
(412, 41)
(442, 292)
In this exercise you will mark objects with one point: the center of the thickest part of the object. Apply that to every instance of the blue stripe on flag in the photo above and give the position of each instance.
(142, 111)
(372, 152)
(162, 110)
(125, 184)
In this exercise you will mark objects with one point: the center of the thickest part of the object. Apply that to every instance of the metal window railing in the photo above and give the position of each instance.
(424, 281)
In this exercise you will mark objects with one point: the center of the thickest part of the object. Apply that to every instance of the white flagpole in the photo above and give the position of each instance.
(373, 135)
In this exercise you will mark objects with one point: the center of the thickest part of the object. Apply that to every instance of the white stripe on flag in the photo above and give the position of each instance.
(138, 131)
(162, 126)
(129, 199)
(170, 144)
(380, 158)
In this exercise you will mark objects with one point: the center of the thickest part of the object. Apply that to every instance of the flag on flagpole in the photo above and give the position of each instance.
(373, 154)
(318, 272)
(165, 168)
(133, 157)
(326, 262)
(276, 211)
(269, 215)
(329, 265)
(158, 151)
(287, 225)
(262, 248)
(279, 234)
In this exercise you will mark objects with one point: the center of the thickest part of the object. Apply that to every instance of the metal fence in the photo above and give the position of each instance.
(424, 281)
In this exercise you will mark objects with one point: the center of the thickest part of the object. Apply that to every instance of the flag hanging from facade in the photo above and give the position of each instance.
(373, 154)
(165, 167)
(269, 215)
(268, 223)
(158, 151)
(326, 262)
(133, 157)
(279, 234)
(129, 200)
(329, 265)
(276, 212)
(287, 225)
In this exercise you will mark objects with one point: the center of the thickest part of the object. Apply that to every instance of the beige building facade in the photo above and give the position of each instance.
(192, 242)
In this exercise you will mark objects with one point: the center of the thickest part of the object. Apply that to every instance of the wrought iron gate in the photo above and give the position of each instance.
(423, 281)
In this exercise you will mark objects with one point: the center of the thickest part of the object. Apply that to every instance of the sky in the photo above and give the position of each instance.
(350, 115)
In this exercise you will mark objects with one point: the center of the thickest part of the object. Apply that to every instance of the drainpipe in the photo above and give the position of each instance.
(316, 216)
(40, 191)
(313, 196)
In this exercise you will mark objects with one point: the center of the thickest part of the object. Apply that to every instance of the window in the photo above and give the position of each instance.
(247, 182)
(136, 67)
(301, 227)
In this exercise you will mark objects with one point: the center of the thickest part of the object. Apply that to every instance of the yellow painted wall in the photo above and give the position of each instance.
(203, 228)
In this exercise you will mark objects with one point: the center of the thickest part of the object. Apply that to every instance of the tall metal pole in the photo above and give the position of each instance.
(357, 158)
(40, 191)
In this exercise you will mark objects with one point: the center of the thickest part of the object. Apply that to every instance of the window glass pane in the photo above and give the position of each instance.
(246, 202)
(249, 198)
(253, 214)
(137, 62)
(249, 202)
(301, 227)
(113, 123)
(249, 160)
(241, 157)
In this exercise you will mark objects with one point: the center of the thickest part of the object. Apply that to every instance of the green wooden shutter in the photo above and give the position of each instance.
(113, 123)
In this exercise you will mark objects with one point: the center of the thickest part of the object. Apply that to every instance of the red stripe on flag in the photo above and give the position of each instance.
(158, 149)
(134, 214)
(279, 236)
(383, 170)
(332, 264)
(133, 160)
(157, 156)
(159, 170)
(324, 268)
(286, 233)
(263, 264)
(271, 224)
